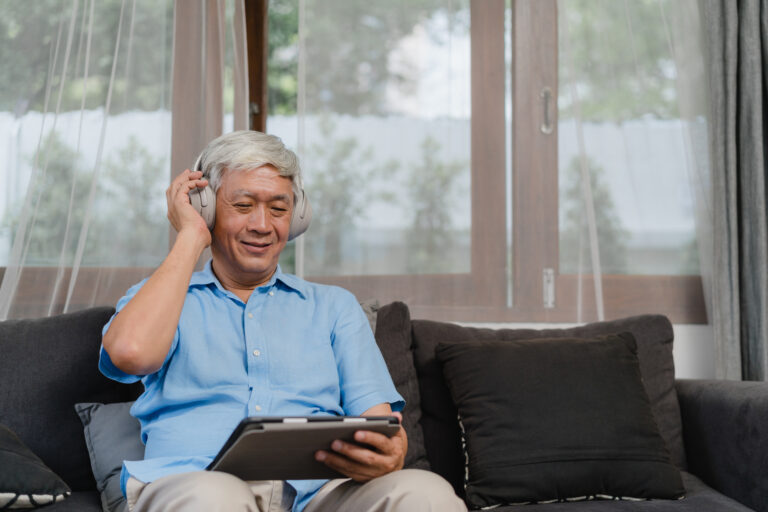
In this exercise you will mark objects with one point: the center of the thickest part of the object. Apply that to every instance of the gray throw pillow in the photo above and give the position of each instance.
(112, 436)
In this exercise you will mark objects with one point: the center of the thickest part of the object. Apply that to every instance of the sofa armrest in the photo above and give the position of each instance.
(725, 430)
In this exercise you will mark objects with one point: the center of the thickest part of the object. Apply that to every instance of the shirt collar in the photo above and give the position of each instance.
(206, 277)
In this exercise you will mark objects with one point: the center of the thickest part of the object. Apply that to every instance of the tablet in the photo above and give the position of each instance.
(284, 448)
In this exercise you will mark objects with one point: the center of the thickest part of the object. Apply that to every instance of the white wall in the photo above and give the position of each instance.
(694, 350)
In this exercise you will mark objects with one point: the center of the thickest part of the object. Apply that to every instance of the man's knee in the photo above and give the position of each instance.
(416, 489)
(199, 491)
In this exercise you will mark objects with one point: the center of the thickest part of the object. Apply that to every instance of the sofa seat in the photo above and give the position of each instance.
(79, 501)
(699, 498)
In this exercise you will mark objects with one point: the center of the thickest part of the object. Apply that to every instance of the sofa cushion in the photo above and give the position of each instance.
(556, 419)
(653, 334)
(393, 336)
(112, 436)
(699, 497)
(25, 481)
(48, 365)
(82, 501)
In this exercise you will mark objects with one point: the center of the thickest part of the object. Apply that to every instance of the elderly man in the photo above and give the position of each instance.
(242, 338)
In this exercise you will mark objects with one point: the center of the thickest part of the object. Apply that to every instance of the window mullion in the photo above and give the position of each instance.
(256, 27)
(534, 143)
(488, 153)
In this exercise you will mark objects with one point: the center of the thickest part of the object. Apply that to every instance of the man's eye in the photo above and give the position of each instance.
(242, 205)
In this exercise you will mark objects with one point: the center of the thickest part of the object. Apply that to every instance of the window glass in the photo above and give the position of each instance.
(67, 159)
(381, 121)
(625, 154)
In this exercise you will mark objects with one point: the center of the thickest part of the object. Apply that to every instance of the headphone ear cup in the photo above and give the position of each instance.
(302, 215)
(204, 201)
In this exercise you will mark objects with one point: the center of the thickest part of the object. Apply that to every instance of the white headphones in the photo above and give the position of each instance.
(204, 201)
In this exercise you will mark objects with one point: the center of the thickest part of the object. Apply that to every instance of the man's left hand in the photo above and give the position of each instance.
(379, 456)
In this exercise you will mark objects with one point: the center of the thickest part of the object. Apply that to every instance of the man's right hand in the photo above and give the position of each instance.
(181, 214)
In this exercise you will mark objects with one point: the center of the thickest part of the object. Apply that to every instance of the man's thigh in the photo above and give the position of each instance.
(405, 490)
(208, 491)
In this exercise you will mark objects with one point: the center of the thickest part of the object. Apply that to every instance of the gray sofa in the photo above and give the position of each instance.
(716, 432)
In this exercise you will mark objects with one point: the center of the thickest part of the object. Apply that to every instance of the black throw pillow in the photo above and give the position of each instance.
(556, 420)
(25, 482)
(393, 336)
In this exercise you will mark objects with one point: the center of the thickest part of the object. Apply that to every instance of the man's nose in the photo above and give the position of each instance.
(258, 220)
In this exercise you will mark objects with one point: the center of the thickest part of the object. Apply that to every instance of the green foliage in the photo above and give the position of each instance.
(131, 208)
(347, 54)
(343, 182)
(282, 71)
(574, 235)
(30, 32)
(57, 180)
(430, 196)
(126, 229)
(621, 59)
(349, 44)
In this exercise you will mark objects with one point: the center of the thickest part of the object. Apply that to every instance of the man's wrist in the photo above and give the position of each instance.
(192, 240)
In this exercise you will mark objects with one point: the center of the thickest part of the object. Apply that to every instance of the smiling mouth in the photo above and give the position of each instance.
(256, 246)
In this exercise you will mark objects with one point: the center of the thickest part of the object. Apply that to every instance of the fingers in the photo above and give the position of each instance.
(361, 463)
(185, 182)
(180, 212)
(365, 466)
(380, 442)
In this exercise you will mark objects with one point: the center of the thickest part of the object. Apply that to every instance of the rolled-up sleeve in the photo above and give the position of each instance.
(106, 366)
(364, 378)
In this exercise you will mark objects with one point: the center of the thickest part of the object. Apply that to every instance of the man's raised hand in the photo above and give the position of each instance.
(181, 214)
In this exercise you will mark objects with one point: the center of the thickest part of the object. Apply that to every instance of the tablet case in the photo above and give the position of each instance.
(284, 448)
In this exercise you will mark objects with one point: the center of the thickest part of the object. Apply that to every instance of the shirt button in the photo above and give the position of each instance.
(250, 315)
(256, 353)
(271, 294)
(257, 408)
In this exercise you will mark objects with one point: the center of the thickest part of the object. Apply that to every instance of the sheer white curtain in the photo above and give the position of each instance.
(87, 127)
(633, 159)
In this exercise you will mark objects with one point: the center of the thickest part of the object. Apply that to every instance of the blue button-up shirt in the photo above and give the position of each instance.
(294, 349)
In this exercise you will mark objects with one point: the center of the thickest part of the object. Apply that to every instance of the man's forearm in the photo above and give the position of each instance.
(140, 336)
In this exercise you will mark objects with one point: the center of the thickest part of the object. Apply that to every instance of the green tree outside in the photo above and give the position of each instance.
(430, 192)
(339, 193)
(29, 32)
(134, 223)
(350, 74)
(574, 234)
(621, 60)
(57, 180)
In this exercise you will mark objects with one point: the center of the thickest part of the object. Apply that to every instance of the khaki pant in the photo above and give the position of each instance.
(211, 491)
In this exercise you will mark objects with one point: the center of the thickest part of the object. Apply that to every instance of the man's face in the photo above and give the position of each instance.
(253, 218)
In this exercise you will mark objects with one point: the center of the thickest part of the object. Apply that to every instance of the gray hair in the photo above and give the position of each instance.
(246, 149)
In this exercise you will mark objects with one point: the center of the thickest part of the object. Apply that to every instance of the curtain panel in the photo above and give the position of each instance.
(737, 44)
(101, 104)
